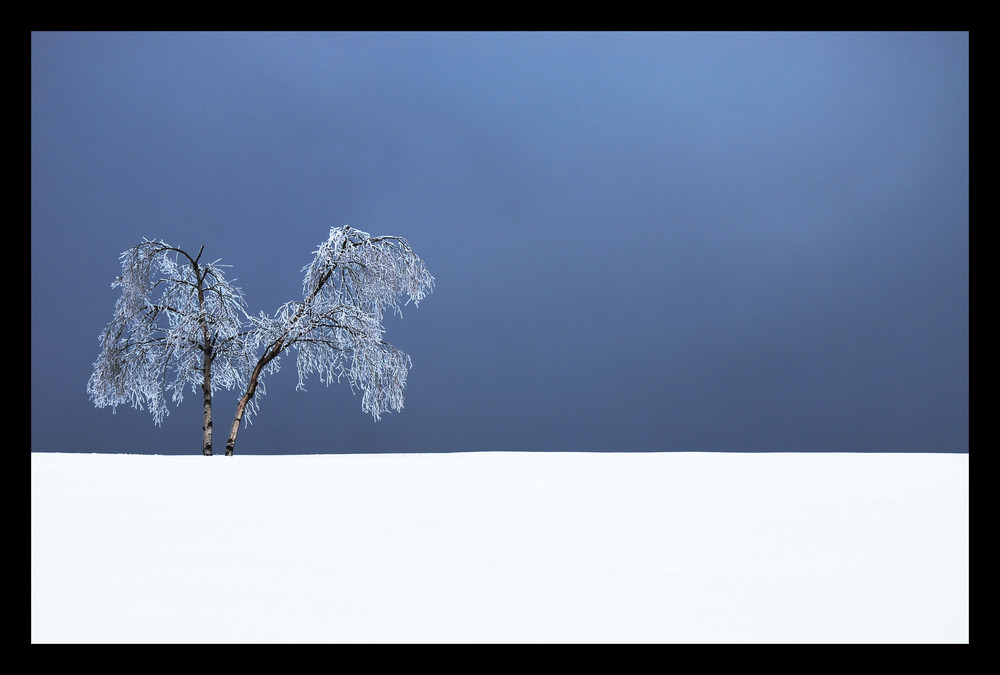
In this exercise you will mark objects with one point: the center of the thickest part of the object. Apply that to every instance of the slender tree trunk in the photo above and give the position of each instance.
(206, 389)
(241, 407)
(206, 382)
(269, 355)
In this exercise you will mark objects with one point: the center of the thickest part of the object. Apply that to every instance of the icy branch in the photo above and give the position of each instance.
(170, 313)
(337, 330)
(180, 323)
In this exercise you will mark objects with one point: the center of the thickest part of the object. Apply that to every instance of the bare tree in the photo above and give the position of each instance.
(337, 327)
(178, 322)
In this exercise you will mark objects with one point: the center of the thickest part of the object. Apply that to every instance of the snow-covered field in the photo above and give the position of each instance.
(500, 547)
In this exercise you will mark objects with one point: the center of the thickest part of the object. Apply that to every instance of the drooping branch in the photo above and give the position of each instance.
(337, 328)
(173, 327)
(178, 323)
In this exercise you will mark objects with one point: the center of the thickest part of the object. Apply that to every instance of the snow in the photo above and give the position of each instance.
(500, 547)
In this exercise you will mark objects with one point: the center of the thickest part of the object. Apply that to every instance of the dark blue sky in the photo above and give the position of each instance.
(642, 241)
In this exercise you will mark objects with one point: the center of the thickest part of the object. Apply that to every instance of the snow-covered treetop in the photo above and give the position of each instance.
(373, 273)
(172, 310)
(337, 327)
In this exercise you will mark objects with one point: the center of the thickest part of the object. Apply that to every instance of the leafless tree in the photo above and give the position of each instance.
(337, 327)
(178, 322)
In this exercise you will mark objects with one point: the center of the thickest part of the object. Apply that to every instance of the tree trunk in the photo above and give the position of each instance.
(240, 407)
(206, 369)
(206, 429)
(268, 356)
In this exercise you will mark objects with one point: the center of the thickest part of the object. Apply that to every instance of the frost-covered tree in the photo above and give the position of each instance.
(337, 327)
(177, 323)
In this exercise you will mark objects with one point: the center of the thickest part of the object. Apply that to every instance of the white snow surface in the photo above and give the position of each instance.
(500, 547)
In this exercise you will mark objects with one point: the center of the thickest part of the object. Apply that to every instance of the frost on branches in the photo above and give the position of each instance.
(179, 323)
(337, 327)
(351, 282)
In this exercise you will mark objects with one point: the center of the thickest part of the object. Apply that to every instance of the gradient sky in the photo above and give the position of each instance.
(641, 241)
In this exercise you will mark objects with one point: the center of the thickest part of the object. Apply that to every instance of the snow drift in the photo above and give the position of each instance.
(500, 547)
